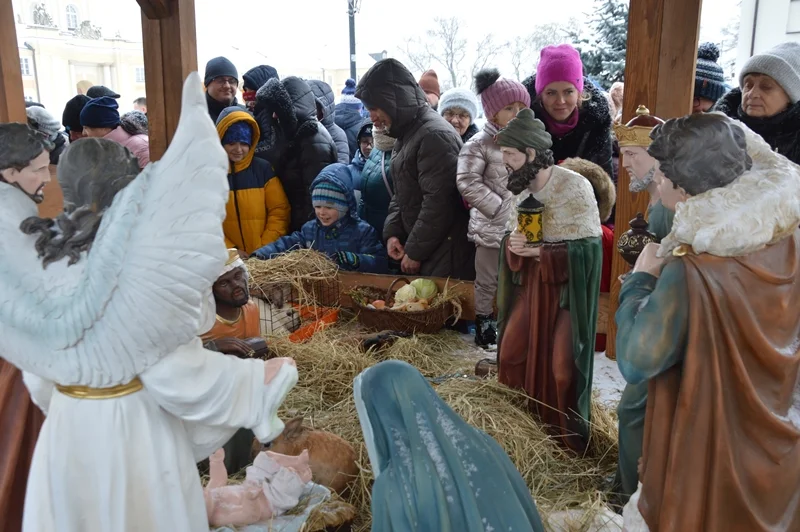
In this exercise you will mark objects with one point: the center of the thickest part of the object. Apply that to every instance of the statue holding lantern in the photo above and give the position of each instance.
(549, 282)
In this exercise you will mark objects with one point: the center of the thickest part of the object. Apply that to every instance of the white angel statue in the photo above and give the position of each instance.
(106, 334)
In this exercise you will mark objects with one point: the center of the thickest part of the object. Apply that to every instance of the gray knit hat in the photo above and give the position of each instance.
(781, 63)
(463, 98)
(42, 121)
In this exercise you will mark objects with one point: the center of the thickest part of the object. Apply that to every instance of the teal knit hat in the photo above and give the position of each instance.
(327, 194)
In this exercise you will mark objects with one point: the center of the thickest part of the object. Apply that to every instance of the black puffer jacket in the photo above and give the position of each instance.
(327, 106)
(591, 138)
(215, 107)
(781, 131)
(350, 121)
(426, 213)
(303, 147)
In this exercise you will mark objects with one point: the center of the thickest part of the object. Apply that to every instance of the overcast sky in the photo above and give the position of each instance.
(313, 34)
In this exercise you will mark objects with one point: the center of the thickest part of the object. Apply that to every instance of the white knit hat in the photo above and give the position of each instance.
(781, 63)
(463, 98)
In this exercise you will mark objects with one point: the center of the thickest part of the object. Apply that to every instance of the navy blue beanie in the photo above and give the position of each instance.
(100, 112)
(218, 67)
(256, 77)
(238, 132)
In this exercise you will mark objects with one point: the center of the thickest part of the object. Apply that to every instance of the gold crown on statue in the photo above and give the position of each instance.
(233, 256)
(637, 131)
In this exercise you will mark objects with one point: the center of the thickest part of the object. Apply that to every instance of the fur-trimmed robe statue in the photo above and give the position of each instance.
(547, 323)
(717, 338)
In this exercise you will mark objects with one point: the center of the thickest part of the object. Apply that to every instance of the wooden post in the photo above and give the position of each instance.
(12, 97)
(659, 73)
(170, 54)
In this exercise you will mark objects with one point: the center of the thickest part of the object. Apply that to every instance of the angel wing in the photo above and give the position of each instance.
(140, 291)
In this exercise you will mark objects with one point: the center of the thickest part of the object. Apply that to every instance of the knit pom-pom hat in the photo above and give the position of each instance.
(709, 78)
(497, 92)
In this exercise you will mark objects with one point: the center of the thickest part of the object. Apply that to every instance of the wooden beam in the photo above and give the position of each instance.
(12, 97)
(170, 54)
(659, 73)
(156, 9)
(53, 203)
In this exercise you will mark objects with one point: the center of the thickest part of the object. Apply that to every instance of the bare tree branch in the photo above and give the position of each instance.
(485, 53)
(521, 55)
(417, 56)
(525, 50)
(448, 48)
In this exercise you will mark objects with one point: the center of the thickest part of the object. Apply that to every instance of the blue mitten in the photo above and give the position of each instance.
(347, 259)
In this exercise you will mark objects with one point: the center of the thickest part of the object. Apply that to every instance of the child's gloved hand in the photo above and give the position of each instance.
(346, 258)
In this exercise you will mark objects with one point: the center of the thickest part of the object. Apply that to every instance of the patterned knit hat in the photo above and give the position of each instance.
(327, 194)
(709, 81)
(497, 92)
(238, 132)
(349, 95)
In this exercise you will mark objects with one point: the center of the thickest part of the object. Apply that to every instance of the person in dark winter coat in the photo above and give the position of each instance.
(427, 224)
(377, 185)
(326, 113)
(575, 114)
(337, 230)
(768, 98)
(303, 147)
(348, 115)
(254, 79)
(356, 166)
(50, 128)
(222, 82)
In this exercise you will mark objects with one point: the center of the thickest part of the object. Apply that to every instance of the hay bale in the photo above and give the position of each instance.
(558, 479)
(302, 274)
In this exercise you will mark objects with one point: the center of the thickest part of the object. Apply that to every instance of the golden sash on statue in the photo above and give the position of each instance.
(85, 392)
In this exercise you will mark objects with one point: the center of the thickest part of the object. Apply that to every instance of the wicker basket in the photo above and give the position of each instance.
(427, 321)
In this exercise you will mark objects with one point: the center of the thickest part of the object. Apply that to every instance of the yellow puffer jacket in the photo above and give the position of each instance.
(257, 212)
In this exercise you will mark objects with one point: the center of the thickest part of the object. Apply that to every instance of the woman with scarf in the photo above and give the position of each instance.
(433, 471)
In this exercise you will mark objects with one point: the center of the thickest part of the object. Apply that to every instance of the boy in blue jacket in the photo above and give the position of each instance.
(337, 230)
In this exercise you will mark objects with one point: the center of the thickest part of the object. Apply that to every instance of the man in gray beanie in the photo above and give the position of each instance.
(768, 98)
(460, 108)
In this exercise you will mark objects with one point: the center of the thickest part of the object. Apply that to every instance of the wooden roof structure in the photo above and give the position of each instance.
(659, 73)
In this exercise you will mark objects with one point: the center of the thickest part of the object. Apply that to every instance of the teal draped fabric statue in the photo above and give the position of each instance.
(433, 471)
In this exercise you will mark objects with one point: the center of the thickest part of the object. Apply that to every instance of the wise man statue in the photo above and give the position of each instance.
(634, 139)
(548, 325)
(709, 317)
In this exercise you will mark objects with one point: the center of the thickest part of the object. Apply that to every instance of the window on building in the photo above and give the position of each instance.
(72, 17)
(793, 22)
(139, 74)
(25, 66)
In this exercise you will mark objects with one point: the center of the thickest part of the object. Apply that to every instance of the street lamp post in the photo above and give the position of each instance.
(352, 9)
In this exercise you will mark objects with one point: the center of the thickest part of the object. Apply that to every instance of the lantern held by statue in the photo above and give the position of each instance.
(529, 220)
(633, 241)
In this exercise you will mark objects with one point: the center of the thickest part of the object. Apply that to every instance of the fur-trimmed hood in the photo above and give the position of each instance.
(604, 190)
(294, 103)
(594, 112)
(759, 208)
(383, 142)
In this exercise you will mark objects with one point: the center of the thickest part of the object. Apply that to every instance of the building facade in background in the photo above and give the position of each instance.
(764, 24)
(62, 42)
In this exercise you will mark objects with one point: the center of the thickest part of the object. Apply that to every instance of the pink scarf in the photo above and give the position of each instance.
(559, 129)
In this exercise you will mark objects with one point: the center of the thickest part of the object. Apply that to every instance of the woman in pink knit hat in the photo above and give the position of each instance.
(576, 114)
(481, 179)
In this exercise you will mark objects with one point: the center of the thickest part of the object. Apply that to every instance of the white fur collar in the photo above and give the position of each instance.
(761, 207)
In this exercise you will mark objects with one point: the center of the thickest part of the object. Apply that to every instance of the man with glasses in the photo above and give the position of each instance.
(222, 83)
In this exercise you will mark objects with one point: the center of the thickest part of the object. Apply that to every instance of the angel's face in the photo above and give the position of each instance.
(231, 289)
(33, 178)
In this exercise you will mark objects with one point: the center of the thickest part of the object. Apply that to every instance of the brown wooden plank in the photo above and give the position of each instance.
(12, 96)
(659, 73)
(156, 9)
(170, 54)
(53, 203)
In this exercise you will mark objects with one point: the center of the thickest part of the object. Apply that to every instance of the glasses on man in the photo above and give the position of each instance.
(450, 115)
(224, 80)
(366, 142)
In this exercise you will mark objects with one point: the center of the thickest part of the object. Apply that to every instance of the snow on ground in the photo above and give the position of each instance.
(608, 382)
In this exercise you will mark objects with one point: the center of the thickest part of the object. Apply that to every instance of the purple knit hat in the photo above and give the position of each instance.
(559, 63)
(497, 92)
